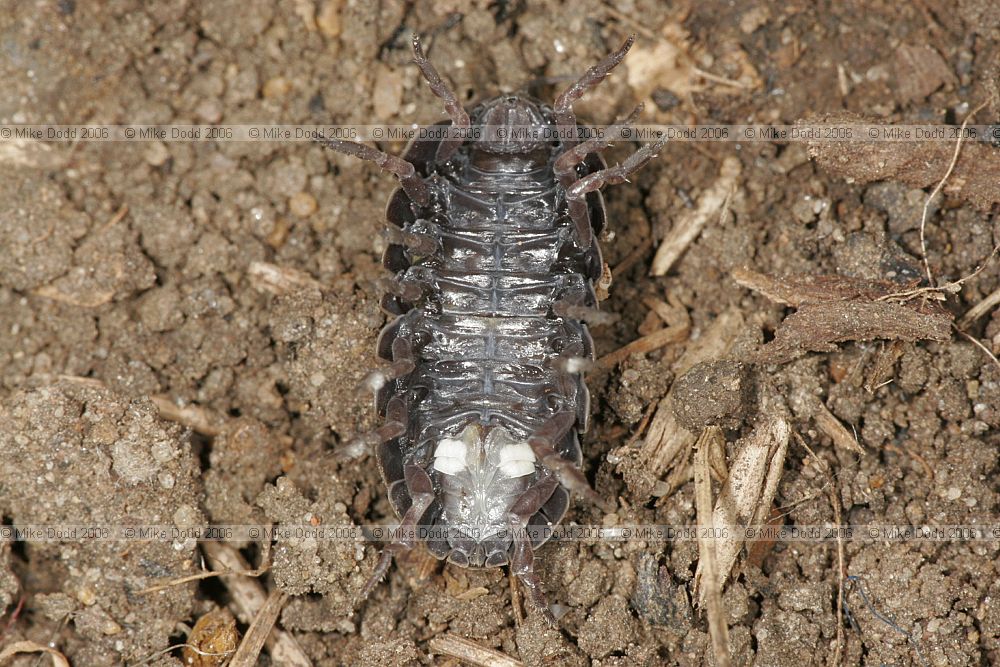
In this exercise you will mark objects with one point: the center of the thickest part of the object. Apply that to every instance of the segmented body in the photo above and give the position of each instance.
(490, 352)
(492, 246)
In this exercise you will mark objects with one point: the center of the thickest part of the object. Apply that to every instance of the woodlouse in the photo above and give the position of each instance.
(492, 245)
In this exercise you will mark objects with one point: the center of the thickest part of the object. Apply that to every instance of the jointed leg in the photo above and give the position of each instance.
(403, 363)
(565, 164)
(543, 443)
(394, 426)
(522, 560)
(459, 117)
(421, 490)
(613, 175)
(412, 183)
(563, 107)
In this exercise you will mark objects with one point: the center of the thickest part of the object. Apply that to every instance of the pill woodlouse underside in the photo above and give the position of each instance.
(494, 259)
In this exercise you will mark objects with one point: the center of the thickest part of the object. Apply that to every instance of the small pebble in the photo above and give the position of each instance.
(276, 87)
(156, 153)
(328, 19)
(302, 204)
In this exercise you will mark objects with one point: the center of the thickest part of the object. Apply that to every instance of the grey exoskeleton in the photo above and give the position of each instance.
(493, 251)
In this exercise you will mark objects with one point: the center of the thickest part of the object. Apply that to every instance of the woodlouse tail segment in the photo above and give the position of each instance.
(414, 186)
(543, 443)
(421, 491)
(459, 117)
(563, 107)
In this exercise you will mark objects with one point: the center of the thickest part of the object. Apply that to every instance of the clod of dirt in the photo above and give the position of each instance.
(137, 470)
(326, 341)
(306, 563)
(244, 456)
(610, 628)
(713, 393)
(920, 70)
(657, 599)
(903, 205)
(976, 177)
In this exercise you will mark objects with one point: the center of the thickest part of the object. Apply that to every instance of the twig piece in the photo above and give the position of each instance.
(937, 189)
(835, 502)
(279, 279)
(689, 225)
(980, 309)
(653, 341)
(470, 652)
(831, 426)
(195, 417)
(249, 649)
(711, 582)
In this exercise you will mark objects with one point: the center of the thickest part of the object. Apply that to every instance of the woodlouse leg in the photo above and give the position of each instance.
(421, 490)
(394, 426)
(459, 117)
(403, 363)
(587, 314)
(613, 175)
(543, 443)
(414, 186)
(407, 290)
(523, 557)
(565, 164)
(563, 107)
(419, 243)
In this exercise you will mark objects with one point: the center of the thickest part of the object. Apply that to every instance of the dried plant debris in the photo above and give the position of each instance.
(976, 177)
(751, 486)
(834, 309)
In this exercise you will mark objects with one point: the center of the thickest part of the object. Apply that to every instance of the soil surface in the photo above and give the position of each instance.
(153, 371)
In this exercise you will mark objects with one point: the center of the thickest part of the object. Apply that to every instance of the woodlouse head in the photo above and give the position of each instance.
(512, 127)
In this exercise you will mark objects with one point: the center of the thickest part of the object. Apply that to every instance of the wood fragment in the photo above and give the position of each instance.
(831, 426)
(690, 223)
(817, 327)
(980, 309)
(800, 290)
(250, 648)
(884, 366)
(748, 493)
(653, 341)
(711, 582)
(276, 279)
(195, 417)
(834, 309)
(470, 652)
(841, 569)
